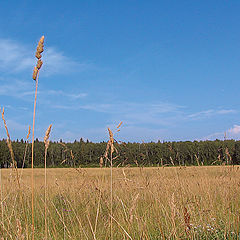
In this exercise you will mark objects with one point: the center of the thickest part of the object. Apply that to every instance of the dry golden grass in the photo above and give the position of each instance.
(148, 203)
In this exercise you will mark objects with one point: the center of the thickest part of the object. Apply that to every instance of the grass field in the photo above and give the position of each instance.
(148, 203)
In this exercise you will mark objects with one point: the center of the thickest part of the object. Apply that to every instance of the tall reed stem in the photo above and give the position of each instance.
(45, 192)
(111, 189)
(2, 218)
(46, 143)
(33, 128)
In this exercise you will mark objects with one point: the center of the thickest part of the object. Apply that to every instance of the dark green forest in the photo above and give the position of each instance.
(87, 154)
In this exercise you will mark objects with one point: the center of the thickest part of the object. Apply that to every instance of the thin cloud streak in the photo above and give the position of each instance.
(210, 113)
(157, 114)
(13, 127)
(231, 133)
(235, 130)
(56, 62)
(125, 107)
(22, 89)
(16, 57)
(132, 113)
(73, 96)
(15, 88)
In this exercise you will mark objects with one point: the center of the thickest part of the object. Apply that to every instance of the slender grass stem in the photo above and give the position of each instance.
(33, 129)
(45, 192)
(111, 190)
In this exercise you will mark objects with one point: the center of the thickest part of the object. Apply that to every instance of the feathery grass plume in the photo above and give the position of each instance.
(46, 143)
(47, 135)
(35, 77)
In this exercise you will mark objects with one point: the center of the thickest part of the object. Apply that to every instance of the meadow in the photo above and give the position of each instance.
(148, 203)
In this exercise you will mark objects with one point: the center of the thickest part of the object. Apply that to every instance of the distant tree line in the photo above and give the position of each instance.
(86, 154)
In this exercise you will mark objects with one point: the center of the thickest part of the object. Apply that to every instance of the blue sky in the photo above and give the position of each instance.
(168, 69)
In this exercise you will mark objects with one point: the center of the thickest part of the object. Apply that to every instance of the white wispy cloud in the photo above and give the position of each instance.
(124, 107)
(235, 130)
(212, 136)
(16, 57)
(56, 62)
(133, 113)
(210, 113)
(15, 88)
(14, 127)
(22, 89)
(231, 133)
(147, 113)
(73, 96)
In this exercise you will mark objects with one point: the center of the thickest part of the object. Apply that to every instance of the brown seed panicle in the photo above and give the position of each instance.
(39, 64)
(38, 56)
(35, 72)
(46, 138)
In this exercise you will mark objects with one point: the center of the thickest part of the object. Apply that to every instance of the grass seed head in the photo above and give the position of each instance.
(40, 48)
(38, 55)
(110, 136)
(40, 45)
(35, 72)
(29, 131)
(106, 151)
(119, 125)
(39, 64)
(47, 134)
(41, 41)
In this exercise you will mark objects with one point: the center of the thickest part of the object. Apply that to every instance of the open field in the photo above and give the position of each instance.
(148, 203)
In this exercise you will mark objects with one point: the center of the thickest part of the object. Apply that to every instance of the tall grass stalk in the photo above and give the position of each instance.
(1, 185)
(35, 77)
(33, 128)
(25, 152)
(111, 147)
(1, 195)
(111, 191)
(46, 143)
